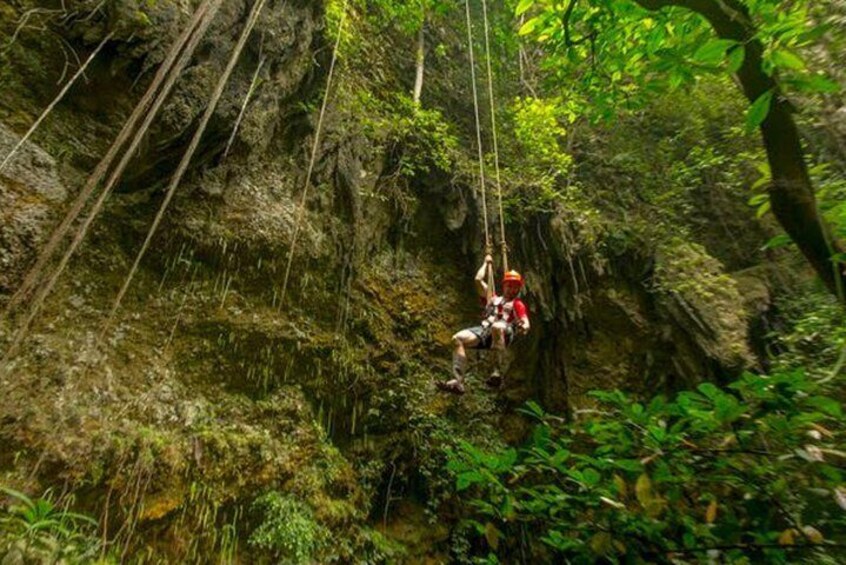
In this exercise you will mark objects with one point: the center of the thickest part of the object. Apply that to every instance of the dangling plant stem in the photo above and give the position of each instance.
(102, 168)
(194, 35)
(249, 95)
(313, 160)
(55, 102)
(186, 159)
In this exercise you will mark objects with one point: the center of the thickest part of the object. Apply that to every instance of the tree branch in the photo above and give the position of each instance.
(792, 194)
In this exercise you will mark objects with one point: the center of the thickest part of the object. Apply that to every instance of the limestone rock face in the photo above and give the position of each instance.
(31, 191)
(212, 387)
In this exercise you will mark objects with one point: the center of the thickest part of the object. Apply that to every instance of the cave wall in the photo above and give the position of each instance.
(210, 383)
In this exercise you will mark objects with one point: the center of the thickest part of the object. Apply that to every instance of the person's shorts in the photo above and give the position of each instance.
(485, 336)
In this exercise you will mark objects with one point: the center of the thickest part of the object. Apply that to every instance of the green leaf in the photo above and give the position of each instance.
(523, 6)
(816, 84)
(826, 405)
(632, 465)
(643, 489)
(759, 199)
(492, 535)
(758, 111)
(529, 26)
(714, 51)
(788, 60)
(735, 58)
(778, 241)
(467, 479)
(591, 477)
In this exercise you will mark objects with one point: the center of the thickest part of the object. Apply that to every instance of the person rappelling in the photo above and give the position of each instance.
(504, 317)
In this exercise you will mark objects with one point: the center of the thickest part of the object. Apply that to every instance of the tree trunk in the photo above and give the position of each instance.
(792, 196)
(421, 60)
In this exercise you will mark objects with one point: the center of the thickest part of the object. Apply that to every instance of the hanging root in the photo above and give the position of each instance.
(312, 161)
(168, 72)
(55, 101)
(249, 95)
(33, 276)
(186, 159)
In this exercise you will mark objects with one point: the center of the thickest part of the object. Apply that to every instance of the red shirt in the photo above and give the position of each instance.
(501, 309)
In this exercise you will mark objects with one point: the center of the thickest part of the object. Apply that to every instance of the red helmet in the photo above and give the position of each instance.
(513, 277)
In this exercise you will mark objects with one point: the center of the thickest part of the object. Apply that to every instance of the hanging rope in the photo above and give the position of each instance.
(482, 183)
(503, 242)
(313, 160)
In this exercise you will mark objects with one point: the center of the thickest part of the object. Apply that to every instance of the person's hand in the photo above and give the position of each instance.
(522, 328)
(489, 259)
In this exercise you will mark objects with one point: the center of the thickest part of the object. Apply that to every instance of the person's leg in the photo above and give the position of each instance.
(498, 330)
(498, 345)
(462, 340)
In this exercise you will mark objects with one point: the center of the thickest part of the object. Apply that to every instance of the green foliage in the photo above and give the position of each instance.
(288, 529)
(831, 196)
(418, 139)
(751, 471)
(688, 269)
(539, 134)
(37, 530)
(623, 52)
(815, 332)
(408, 16)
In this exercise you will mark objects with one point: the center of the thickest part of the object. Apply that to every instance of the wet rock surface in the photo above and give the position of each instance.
(213, 388)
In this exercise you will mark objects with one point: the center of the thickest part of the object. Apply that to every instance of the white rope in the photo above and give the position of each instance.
(495, 144)
(478, 127)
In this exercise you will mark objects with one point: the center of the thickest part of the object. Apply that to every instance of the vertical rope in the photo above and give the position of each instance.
(495, 144)
(478, 126)
(315, 146)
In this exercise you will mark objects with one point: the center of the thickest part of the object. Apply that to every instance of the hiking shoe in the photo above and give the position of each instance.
(454, 386)
(495, 380)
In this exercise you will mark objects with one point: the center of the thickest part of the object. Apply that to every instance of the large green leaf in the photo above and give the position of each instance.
(788, 60)
(758, 111)
(529, 26)
(714, 51)
(815, 83)
(524, 6)
(736, 57)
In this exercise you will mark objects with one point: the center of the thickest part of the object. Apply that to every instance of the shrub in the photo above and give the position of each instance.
(753, 471)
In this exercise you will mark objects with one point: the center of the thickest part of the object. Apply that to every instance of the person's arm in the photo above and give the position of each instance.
(482, 287)
(522, 314)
